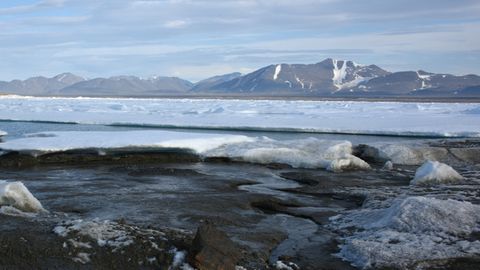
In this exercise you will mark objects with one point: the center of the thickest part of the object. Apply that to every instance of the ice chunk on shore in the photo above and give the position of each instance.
(388, 166)
(404, 153)
(348, 162)
(435, 173)
(15, 194)
(412, 229)
(309, 153)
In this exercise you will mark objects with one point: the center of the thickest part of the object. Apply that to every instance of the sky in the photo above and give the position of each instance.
(196, 39)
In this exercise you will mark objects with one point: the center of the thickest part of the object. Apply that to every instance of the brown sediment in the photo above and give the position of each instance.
(92, 157)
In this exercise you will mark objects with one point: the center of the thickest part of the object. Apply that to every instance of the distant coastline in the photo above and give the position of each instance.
(412, 99)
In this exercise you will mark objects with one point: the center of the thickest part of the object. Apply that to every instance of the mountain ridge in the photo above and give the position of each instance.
(327, 78)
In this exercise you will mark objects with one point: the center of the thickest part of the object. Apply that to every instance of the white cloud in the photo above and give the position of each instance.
(129, 50)
(32, 7)
(175, 24)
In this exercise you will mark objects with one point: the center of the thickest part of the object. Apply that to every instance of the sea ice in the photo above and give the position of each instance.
(15, 194)
(435, 173)
(417, 119)
(2, 133)
(411, 230)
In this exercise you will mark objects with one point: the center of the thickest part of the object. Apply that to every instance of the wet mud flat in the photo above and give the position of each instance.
(162, 210)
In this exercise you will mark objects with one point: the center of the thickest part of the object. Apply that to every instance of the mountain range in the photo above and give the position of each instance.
(328, 78)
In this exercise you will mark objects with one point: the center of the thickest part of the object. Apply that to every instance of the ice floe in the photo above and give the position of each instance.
(435, 173)
(411, 230)
(2, 133)
(16, 199)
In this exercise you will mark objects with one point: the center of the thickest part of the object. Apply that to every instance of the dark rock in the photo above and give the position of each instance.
(212, 249)
(467, 154)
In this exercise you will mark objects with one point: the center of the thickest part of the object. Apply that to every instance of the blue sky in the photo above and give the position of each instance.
(195, 39)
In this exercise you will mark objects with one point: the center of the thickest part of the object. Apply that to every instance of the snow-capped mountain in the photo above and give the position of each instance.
(418, 83)
(325, 77)
(328, 78)
(346, 78)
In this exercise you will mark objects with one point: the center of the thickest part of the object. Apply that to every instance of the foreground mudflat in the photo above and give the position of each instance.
(165, 209)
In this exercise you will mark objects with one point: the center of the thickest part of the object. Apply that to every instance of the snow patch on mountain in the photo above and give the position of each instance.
(339, 73)
(300, 82)
(278, 69)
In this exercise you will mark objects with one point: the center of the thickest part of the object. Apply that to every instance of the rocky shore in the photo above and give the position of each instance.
(148, 209)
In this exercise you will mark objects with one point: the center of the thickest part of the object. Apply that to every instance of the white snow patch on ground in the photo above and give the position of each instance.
(411, 230)
(82, 258)
(281, 265)
(435, 173)
(179, 261)
(278, 69)
(16, 195)
(104, 233)
(417, 119)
